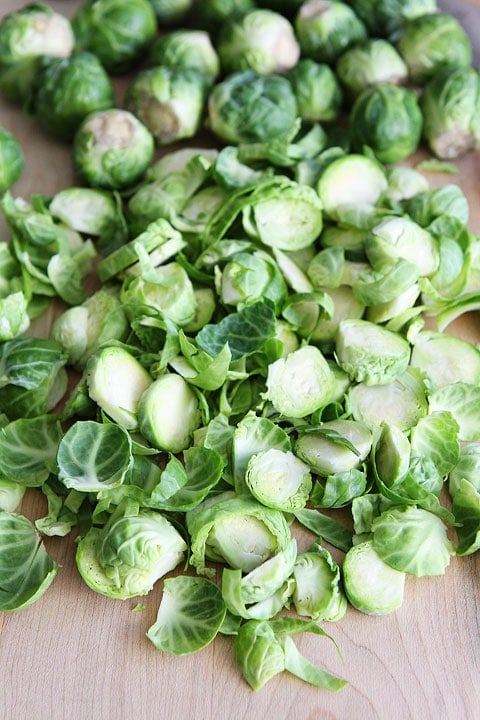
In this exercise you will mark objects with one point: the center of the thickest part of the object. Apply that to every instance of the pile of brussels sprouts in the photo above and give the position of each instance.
(255, 352)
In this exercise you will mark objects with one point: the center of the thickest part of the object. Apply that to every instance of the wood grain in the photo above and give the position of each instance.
(75, 654)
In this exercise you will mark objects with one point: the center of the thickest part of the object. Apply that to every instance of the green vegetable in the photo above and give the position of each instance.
(373, 61)
(12, 161)
(186, 48)
(372, 586)
(317, 90)
(171, 12)
(118, 32)
(326, 29)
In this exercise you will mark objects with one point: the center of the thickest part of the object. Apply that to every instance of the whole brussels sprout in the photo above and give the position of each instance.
(248, 107)
(373, 61)
(186, 48)
(169, 101)
(316, 89)
(386, 118)
(25, 36)
(67, 90)
(211, 14)
(117, 31)
(325, 29)
(385, 18)
(112, 149)
(450, 104)
(12, 161)
(261, 40)
(431, 42)
(171, 12)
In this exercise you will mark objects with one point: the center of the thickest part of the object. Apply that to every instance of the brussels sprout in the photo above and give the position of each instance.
(117, 31)
(346, 306)
(432, 42)
(251, 276)
(12, 161)
(261, 40)
(116, 381)
(400, 237)
(129, 553)
(212, 14)
(467, 468)
(370, 353)
(171, 12)
(112, 149)
(168, 100)
(316, 89)
(339, 185)
(67, 90)
(85, 210)
(248, 107)
(278, 479)
(325, 29)
(385, 18)
(80, 330)
(450, 104)
(300, 383)
(404, 183)
(372, 586)
(445, 359)
(186, 48)
(317, 590)
(25, 36)
(373, 61)
(338, 446)
(387, 119)
(168, 413)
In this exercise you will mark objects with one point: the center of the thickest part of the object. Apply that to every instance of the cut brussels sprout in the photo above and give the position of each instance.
(450, 104)
(432, 42)
(370, 353)
(67, 90)
(445, 359)
(186, 48)
(351, 180)
(117, 31)
(466, 468)
(387, 119)
(317, 592)
(372, 586)
(317, 90)
(373, 61)
(338, 446)
(169, 101)
(400, 237)
(300, 383)
(116, 381)
(248, 107)
(112, 149)
(85, 210)
(404, 183)
(261, 40)
(325, 29)
(278, 479)
(26, 35)
(168, 413)
(12, 161)
(346, 306)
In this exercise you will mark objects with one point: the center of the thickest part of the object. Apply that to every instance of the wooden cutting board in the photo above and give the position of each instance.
(75, 654)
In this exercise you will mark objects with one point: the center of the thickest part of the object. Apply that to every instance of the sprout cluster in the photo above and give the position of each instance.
(256, 351)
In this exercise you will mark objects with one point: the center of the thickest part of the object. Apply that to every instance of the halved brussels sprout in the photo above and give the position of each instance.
(112, 149)
(337, 446)
(279, 479)
(351, 180)
(372, 586)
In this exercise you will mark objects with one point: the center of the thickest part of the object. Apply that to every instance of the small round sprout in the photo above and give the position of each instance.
(329, 450)
(371, 586)
(279, 479)
(387, 119)
(368, 63)
(117, 31)
(171, 12)
(450, 104)
(186, 48)
(169, 101)
(325, 29)
(70, 89)
(212, 14)
(339, 184)
(25, 36)
(248, 107)
(300, 383)
(262, 40)
(385, 18)
(12, 161)
(400, 237)
(116, 381)
(316, 89)
(432, 42)
(112, 149)
(168, 413)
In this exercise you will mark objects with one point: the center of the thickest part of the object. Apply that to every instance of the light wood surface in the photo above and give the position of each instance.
(77, 655)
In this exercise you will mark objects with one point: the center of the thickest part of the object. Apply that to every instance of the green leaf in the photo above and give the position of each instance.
(28, 449)
(299, 666)
(325, 527)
